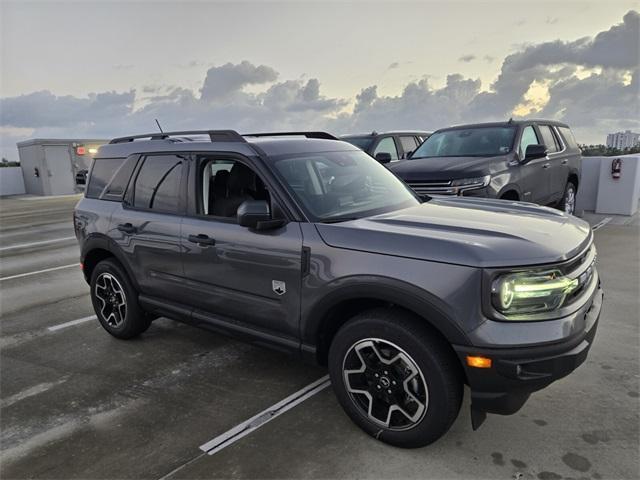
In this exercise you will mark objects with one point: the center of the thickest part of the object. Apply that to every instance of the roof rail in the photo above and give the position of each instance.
(321, 135)
(214, 135)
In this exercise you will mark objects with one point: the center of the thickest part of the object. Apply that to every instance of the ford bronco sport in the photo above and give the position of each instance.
(307, 244)
(530, 160)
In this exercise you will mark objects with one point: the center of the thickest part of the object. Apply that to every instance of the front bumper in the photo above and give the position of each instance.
(516, 372)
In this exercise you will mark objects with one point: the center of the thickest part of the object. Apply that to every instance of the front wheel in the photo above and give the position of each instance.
(568, 202)
(397, 380)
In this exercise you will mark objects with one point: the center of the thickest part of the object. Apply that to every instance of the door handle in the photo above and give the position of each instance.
(202, 239)
(565, 161)
(127, 228)
(546, 165)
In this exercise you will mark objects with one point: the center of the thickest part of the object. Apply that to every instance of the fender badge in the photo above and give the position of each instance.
(279, 287)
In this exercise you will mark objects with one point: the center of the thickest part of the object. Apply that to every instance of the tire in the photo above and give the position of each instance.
(568, 202)
(115, 301)
(423, 366)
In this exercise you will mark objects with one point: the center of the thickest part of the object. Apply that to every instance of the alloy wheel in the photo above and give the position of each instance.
(385, 383)
(113, 301)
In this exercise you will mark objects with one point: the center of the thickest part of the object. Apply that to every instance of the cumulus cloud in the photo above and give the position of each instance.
(467, 58)
(592, 83)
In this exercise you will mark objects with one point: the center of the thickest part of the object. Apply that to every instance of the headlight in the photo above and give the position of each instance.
(531, 292)
(467, 183)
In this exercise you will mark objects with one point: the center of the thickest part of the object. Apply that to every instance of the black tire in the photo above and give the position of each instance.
(124, 323)
(439, 368)
(568, 199)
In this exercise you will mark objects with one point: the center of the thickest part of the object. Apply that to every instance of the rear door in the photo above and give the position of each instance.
(147, 224)
(558, 170)
(239, 275)
(535, 174)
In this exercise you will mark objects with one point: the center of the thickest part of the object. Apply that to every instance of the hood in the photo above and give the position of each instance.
(464, 231)
(445, 168)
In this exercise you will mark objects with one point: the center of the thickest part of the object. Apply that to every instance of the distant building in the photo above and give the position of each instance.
(622, 140)
(49, 166)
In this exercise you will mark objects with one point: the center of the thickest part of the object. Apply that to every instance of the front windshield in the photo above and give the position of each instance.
(468, 142)
(361, 142)
(336, 186)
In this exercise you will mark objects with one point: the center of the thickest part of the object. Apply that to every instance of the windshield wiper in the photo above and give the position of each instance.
(338, 219)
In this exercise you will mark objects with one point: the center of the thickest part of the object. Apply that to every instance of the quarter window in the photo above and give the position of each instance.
(529, 137)
(157, 184)
(102, 172)
(387, 145)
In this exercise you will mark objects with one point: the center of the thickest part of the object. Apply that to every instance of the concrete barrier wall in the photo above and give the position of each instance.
(11, 181)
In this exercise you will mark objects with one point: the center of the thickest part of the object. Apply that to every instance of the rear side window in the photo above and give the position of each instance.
(102, 172)
(568, 137)
(157, 185)
(408, 144)
(548, 138)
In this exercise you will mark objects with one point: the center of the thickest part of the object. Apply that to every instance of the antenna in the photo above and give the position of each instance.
(158, 123)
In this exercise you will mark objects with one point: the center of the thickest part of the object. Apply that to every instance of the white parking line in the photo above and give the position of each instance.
(34, 244)
(255, 422)
(71, 323)
(601, 223)
(28, 274)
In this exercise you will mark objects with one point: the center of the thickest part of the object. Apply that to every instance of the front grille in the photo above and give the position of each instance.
(433, 188)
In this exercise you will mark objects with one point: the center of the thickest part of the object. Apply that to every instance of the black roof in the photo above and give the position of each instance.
(387, 132)
(279, 143)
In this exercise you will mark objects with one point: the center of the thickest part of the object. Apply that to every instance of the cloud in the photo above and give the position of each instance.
(224, 81)
(393, 65)
(592, 83)
(467, 58)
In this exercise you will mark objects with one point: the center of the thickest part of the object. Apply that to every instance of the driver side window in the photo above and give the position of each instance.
(529, 137)
(387, 145)
(225, 184)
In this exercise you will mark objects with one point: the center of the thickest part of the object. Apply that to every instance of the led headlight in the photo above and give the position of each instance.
(531, 292)
(467, 183)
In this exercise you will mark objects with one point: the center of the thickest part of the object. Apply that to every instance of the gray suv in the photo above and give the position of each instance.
(306, 244)
(530, 160)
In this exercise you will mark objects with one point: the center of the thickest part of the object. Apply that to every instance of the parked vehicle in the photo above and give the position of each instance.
(531, 160)
(306, 244)
(388, 146)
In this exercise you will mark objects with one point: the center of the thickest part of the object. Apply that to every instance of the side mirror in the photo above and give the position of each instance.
(255, 214)
(535, 151)
(383, 157)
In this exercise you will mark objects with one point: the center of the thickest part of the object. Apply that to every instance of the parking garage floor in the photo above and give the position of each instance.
(77, 403)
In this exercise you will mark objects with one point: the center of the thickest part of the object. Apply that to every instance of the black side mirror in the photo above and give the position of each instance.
(255, 214)
(383, 157)
(535, 151)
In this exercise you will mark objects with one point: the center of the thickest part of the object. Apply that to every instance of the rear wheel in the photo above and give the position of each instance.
(568, 202)
(115, 301)
(396, 380)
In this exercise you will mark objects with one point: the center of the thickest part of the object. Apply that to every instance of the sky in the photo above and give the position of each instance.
(101, 69)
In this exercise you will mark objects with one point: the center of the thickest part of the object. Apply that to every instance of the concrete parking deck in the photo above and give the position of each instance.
(77, 403)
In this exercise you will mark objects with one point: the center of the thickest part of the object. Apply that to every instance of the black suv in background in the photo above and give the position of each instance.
(388, 146)
(306, 244)
(531, 160)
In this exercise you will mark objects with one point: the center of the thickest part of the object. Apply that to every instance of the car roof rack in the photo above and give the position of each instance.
(320, 135)
(214, 135)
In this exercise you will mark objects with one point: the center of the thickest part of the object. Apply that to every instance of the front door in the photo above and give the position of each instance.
(241, 275)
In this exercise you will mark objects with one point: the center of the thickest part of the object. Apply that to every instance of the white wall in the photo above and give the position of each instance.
(11, 181)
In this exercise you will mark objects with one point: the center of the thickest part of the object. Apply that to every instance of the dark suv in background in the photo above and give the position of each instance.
(388, 146)
(306, 244)
(532, 160)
